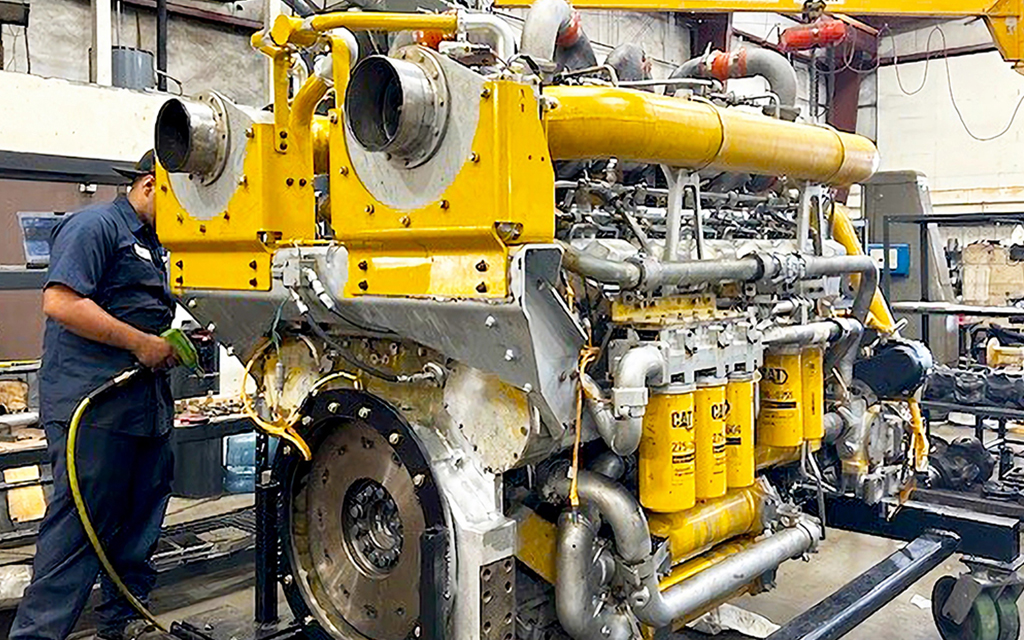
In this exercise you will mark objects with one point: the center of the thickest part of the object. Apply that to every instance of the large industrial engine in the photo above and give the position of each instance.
(554, 349)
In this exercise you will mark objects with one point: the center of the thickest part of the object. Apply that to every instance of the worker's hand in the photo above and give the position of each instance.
(155, 352)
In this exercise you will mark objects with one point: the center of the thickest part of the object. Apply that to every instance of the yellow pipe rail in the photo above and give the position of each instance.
(695, 134)
(844, 233)
(304, 32)
(300, 122)
(321, 144)
(712, 522)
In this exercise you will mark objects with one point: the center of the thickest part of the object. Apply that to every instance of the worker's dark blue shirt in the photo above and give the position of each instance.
(105, 253)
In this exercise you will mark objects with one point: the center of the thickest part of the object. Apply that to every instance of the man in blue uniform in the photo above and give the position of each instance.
(106, 300)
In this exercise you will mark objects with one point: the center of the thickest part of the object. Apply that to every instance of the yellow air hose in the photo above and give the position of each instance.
(187, 355)
(76, 494)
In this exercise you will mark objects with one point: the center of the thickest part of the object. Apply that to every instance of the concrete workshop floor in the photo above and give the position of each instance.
(800, 585)
(840, 558)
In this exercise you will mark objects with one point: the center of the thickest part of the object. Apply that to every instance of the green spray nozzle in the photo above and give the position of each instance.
(183, 348)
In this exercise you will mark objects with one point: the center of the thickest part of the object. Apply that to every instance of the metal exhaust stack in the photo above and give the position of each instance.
(192, 137)
(398, 106)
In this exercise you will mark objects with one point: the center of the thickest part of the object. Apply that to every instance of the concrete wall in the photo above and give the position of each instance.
(201, 53)
(923, 131)
(58, 117)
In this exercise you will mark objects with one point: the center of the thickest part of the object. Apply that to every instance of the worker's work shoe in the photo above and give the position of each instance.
(131, 631)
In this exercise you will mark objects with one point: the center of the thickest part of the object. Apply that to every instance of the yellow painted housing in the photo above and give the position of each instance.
(538, 543)
(667, 451)
(273, 204)
(779, 424)
(709, 523)
(694, 134)
(739, 429)
(458, 245)
(709, 425)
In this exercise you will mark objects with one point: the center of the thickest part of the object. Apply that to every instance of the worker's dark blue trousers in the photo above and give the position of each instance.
(126, 482)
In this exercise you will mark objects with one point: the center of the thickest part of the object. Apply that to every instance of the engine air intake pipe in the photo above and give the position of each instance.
(620, 421)
(652, 274)
(583, 571)
(395, 106)
(552, 32)
(692, 134)
(191, 137)
(660, 608)
(745, 63)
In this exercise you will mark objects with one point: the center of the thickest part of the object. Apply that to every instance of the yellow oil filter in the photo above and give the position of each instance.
(813, 383)
(779, 423)
(739, 429)
(709, 411)
(667, 453)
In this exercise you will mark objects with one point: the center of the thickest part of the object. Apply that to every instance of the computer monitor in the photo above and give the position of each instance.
(36, 234)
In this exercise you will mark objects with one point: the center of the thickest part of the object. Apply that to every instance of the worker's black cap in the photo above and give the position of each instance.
(145, 166)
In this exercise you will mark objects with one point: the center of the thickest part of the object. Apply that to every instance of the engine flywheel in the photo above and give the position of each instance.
(353, 521)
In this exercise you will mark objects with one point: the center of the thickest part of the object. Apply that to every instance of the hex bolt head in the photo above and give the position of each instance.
(363, 265)
(364, 285)
(395, 438)
(364, 412)
(481, 288)
(333, 407)
(405, 221)
(287, 580)
(510, 355)
(418, 479)
(481, 266)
